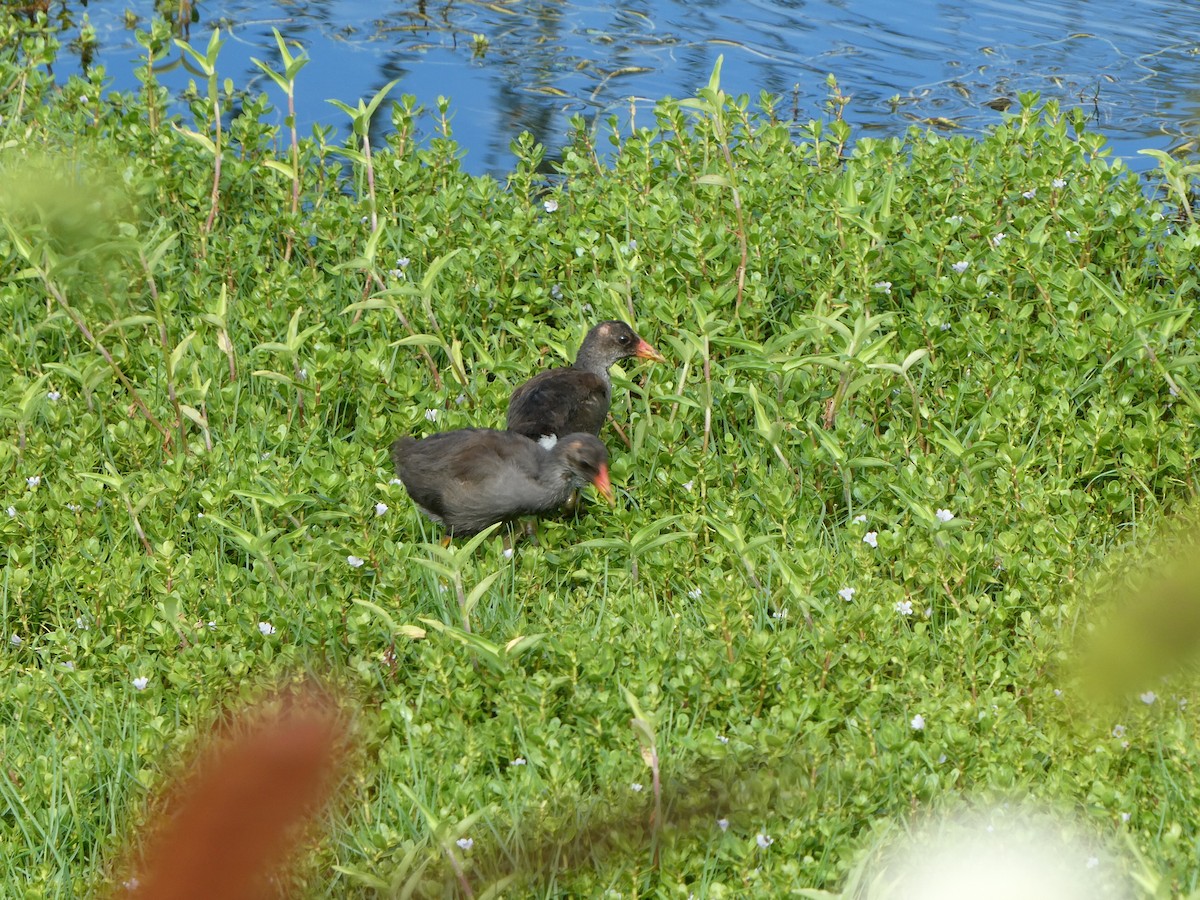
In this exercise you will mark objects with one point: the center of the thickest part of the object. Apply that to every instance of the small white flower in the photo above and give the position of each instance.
(846, 593)
(302, 374)
(1072, 237)
(961, 266)
(695, 593)
(688, 485)
(16, 640)
(941, 758)
(871, 539)
(74, 507)
(724, 739)
(381, 509)
(1058, 183)
(12, 511)
(141, 682)
(396, 481)
(779, 614)
(365, 220)
(723, 823)
(519, 761)
(460, 399)
(556, 291)
(1148, 698)
(1124, 817)
(551, 205)
(69, 666)
(431, 415)
(1029, 194)
(33, 480)
(636, 787)
(355, 562)
(998, 238)
(79, 623)
(859, 520)
(633, 243)
(764, 841)
(885, 286)
(53, 396)
(1058, 692)
(945, 326)
(508, 552)
(212, 626)
(266, 628)
(904, 607)
(955, 220)
(465, 843)
(917, 723)
(402, 262)
(1118, 731)
(944, 515)
(1092, 862)
(396, 274)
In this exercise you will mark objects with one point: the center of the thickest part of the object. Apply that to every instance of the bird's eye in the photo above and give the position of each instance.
(624, 339)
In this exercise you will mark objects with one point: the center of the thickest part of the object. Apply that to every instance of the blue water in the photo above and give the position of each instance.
(1135, 67)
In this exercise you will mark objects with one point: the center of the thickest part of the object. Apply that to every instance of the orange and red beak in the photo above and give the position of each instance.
(645, 351)
(603, 485)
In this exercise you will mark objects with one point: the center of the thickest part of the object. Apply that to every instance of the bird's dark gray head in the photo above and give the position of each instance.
(586, 459)
(610, 341)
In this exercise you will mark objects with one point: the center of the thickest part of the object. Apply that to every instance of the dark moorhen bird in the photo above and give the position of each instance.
(576, 397)
(471, 478)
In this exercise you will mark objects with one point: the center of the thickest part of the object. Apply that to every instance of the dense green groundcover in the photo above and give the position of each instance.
(200, 377)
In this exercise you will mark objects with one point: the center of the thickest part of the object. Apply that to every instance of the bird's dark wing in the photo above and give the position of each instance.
(559, 402)
(488, 452)
(428, 467)
(497, 476)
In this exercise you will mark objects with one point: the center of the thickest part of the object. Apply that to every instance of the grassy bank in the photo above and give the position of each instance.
(923, 400)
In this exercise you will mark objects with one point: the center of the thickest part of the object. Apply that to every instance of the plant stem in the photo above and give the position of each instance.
(166, 351)
(91, 339)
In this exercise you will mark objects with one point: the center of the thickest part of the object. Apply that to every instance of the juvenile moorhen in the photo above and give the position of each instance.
(575, 398)
(471, 478)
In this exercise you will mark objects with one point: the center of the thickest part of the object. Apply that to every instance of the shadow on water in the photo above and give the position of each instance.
(509, 67)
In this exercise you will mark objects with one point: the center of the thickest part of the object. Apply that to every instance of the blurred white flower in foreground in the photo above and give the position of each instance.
(995, 855)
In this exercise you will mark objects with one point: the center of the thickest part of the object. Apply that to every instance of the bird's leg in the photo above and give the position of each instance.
(531, 529)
